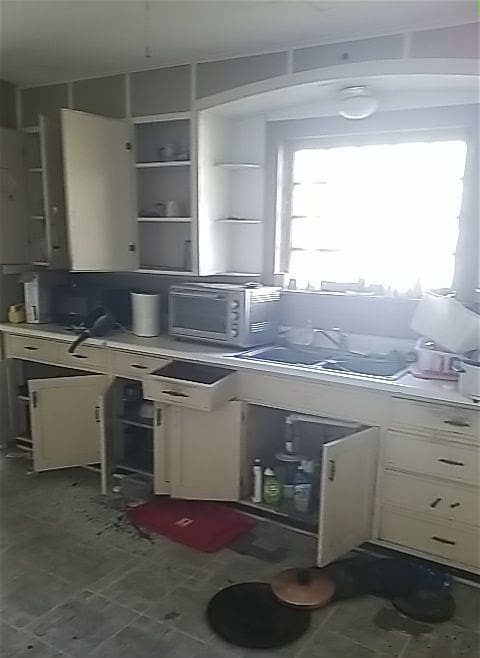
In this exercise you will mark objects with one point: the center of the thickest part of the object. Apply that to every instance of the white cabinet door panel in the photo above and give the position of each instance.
(161, 448)
(65, 420)
(100, 189)
(347, 490)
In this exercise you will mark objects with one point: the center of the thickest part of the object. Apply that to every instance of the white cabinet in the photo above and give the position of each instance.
(46, 203)
(231, 156)
(65, 420)
(347, 494)
(100, 192)
(13, 213)
(198, 454)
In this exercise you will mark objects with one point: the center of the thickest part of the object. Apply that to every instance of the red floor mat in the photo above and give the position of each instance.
(206, 526)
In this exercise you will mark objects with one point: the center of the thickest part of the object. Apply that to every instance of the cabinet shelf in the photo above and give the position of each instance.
(285, 510)
(239, 165)
(159, 270)
(157, 164)
(32, 130)
(38, 217)
(166, 220)
(138, 421)
(35, 170)
(233, 220)
(23, 398)
(40, 263)
(121, 468)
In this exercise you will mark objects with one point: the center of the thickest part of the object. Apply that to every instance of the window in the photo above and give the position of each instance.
(383, 210)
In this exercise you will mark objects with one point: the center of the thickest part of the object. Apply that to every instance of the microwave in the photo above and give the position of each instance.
(236, 315)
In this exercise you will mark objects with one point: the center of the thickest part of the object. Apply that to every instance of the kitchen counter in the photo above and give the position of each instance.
(406, 386)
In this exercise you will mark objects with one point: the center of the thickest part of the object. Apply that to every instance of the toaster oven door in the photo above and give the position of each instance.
(199, 315)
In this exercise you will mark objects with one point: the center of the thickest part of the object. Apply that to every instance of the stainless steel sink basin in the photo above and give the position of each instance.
(291, 355)
(387, 367)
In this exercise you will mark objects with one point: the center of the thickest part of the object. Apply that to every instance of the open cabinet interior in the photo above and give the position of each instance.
(164, 195)
(231, 192)
(133, 443)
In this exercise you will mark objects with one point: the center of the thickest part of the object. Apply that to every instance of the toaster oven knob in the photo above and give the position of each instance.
(234, 332)
(234, 315)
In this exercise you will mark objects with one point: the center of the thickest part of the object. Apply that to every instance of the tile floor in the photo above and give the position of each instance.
(77, 580)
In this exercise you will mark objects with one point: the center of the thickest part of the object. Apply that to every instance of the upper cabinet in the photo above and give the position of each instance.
(98, 162)
(13, 224)
(231, 158)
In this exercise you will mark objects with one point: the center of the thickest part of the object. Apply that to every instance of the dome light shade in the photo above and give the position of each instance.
(356, 103)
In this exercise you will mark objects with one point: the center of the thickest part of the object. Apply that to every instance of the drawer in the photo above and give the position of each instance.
(442, 459)
(346, 402)
(447, 540)
(438, 417)
(443, 500)
(191, 385)
(135, 366)
(32, 349)
(84, 357)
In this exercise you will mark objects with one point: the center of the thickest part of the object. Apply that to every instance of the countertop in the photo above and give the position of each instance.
(406, 386)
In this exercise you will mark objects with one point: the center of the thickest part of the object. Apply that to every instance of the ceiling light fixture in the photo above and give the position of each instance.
(356, 103)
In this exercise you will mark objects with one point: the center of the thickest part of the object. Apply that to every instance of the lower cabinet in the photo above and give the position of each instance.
(198, 454)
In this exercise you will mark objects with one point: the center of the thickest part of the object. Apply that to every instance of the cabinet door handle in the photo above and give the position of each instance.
(139, 366)
(435, 502)
(30, 348)
(97, 414)
(441, 540)
(450, 462)
(176, 394)
(457, 422)
(332, 469)
(158, 417)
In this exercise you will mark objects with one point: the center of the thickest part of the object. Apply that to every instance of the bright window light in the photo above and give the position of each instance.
(384, 213)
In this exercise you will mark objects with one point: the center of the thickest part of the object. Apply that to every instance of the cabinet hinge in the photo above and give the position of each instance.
(132, 247)
(97, 414)
(158, 417)
(128, 146)
(332, 469)
(34, 399)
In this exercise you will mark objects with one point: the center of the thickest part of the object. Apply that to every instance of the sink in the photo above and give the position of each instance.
(386, 368)
(390, 367)
(291, 355)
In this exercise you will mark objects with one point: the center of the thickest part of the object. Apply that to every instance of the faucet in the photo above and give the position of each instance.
(336, 336)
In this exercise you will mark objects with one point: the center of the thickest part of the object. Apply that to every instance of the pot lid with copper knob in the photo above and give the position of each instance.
(307, 587)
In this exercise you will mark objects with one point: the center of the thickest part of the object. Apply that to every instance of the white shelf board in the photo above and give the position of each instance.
(35, 170)
(239, 165)
(40, 263)
(166, 220)
(246, 274)
(157, 118)
(157, 164)
(240, 221)
(40, 217)
(150, 270)
(32, 130)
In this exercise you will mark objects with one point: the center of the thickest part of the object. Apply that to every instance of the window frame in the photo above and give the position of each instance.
(456, 122)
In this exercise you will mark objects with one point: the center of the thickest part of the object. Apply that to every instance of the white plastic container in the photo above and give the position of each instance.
(447, 322)
(145, 314)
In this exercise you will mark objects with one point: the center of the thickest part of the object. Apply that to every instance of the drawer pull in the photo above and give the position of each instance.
(139, 366)
(176, 394)
(457, 422)
(80, 356)
(450, 462)
(30, 348)
(435, 502)
(441, 540)
(453, 505)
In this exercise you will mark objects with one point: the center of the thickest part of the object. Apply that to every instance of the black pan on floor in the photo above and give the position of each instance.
(249, 615)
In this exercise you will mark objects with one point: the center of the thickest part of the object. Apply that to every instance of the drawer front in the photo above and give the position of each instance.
(435, 417)
(84, 357)
(439, 499)
(190, 395)
(345, 402)
(449, 460)
(447, 540)
(135, 366)
(31, 349)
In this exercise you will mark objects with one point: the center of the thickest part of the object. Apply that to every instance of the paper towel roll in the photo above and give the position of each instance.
(145, 313)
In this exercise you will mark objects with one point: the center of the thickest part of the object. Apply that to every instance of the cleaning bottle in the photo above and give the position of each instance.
(272, 491)
(302, 492)
(257, 481)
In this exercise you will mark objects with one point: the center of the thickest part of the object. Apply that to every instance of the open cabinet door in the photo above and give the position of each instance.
(53, 193)
(99, 171)
(205, 452)
(64, 419)
(161, 448)
(107, 417)
(347, 491)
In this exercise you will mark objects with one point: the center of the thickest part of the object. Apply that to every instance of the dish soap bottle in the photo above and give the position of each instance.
(257, 481)
(271, 488)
